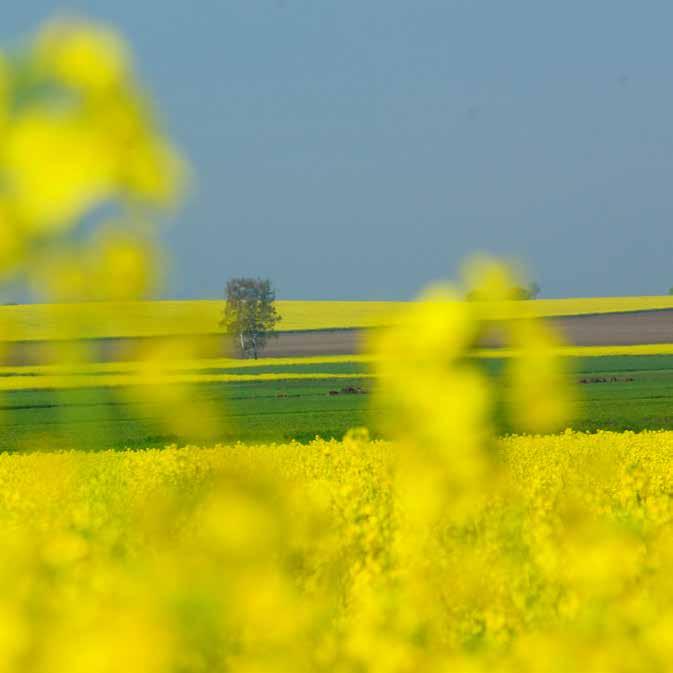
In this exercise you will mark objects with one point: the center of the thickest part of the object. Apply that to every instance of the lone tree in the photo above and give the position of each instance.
(250, 313)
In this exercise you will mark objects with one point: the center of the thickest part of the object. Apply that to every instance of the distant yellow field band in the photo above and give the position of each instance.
(178, 365)
(57, 382)
(36, 322)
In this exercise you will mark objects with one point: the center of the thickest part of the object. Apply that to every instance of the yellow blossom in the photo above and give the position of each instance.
(57, 168)
(83, 55)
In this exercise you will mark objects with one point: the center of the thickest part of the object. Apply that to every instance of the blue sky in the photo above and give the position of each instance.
(358, 149)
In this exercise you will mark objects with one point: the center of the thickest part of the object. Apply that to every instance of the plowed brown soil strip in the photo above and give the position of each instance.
(612, 329)
(618, 329)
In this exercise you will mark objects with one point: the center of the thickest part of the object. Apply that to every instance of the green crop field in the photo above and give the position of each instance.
(615, 393)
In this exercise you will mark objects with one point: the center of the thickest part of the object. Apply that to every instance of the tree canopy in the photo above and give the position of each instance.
(250, 314)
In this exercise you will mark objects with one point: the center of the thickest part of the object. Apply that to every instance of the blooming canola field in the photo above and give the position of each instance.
(292, 557)
(116, 319)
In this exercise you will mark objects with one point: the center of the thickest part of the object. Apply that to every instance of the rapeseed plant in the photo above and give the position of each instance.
(79, 136)
(297, 557)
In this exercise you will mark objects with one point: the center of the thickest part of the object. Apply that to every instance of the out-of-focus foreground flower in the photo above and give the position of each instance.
(85, 176)
(77, 135)
(442, 403)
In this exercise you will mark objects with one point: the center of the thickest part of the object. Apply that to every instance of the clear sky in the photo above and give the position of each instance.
(357, 149)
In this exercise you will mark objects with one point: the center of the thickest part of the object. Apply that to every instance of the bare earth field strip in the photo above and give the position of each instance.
(612, 329)
(618, 329)
(294, 344)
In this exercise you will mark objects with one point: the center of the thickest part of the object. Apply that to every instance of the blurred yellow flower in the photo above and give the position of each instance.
(83, 138)
(540, 390)
(83, 55)
(489, 279)
(57, 168)
(4, 92)
(11, 240)
(123, 266)
(62, 276)
(153, 172)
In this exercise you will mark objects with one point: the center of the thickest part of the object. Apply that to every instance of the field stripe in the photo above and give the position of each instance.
(135, 366)
(585, 351)
(55, 382)
(110, 374)
(96, 320)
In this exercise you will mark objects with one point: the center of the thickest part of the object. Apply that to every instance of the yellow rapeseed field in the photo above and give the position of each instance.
(124, 380)
(169, 318)
(299, 558)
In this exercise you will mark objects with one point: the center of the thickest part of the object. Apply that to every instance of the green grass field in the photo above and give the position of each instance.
(620, 393)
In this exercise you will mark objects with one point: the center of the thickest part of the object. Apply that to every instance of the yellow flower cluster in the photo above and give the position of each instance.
(84, 174)
(441, 403)
(296, 558)
(76, 134)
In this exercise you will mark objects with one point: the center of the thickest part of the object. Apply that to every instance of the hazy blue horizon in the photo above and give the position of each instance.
(359, 150)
